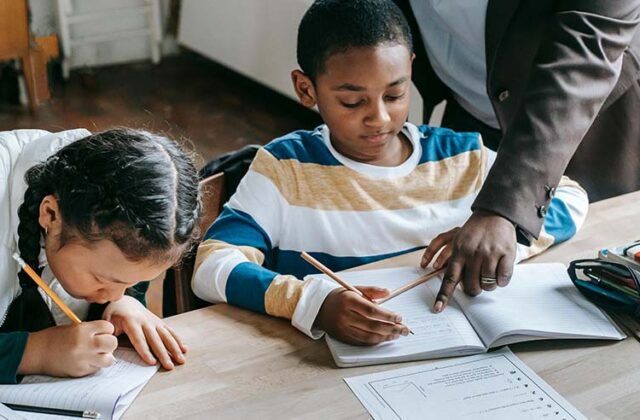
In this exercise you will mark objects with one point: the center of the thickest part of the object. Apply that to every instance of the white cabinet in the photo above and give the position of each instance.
(256, 38)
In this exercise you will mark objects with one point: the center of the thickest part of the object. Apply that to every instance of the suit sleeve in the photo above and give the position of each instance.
(574, 72)
(565, 216)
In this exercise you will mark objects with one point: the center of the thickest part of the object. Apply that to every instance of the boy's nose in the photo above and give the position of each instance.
(378, 114)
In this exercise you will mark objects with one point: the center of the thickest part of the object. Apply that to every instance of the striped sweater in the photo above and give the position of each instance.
(300, 194)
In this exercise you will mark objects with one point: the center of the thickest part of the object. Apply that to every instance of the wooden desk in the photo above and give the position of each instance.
(245, 365)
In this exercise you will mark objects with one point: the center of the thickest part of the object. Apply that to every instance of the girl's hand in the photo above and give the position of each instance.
(149, 334)
(355, 320)
(69, 350)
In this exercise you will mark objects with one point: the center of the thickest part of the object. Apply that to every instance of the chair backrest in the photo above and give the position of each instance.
(213, 198)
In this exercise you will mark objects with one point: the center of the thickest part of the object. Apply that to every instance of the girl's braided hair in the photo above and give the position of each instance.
(134, 188)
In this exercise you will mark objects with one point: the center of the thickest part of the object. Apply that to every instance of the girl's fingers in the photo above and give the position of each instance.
(105, 343)
(171, 344)
(139, 342)
(157, 346)
(103, 360)
(183, 347)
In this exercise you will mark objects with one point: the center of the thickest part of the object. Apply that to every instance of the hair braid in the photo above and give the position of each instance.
(29, 229)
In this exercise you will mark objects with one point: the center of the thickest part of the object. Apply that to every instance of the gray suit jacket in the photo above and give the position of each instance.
(552, 68)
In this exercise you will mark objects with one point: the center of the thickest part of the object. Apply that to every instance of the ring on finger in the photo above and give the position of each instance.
(488, 281)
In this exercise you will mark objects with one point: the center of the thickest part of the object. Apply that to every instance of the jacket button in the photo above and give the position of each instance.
(551, 191)
(542, 211)
(504, 95)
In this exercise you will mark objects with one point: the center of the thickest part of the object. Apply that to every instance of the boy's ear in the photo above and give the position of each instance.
(49, 218)
(304, 88)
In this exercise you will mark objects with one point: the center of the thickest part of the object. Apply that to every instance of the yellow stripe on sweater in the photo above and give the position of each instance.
(543, 242)
(283, 295)
(323, 187)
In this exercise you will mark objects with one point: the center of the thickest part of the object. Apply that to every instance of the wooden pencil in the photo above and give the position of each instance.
(422, 279)
(45, 287)
(317, 264)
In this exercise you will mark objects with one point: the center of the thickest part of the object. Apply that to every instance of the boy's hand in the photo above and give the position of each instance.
(149, 334)
(485, 247)
(355, 320)
(442, 241)
(69, 350)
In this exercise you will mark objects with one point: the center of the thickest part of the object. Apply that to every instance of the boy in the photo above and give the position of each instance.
(363, 187)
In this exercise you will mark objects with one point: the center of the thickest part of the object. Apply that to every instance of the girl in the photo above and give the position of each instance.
(94, 215)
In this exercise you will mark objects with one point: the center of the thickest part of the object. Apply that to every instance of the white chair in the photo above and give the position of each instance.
(81, 13)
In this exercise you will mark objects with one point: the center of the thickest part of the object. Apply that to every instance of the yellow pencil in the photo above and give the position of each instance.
(47, 289)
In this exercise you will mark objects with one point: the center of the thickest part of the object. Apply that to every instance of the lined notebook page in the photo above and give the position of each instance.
(540, 300)
(8, 414)
(449, 333)
(104, 391)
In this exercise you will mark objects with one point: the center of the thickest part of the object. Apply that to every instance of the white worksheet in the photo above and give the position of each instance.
(493, 386)
(110, 391)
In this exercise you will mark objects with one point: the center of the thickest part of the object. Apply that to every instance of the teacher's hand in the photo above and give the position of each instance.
(483, 251)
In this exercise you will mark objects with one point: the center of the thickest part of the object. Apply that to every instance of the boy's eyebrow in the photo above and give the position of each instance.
(350, 87)
(399, 81)
(356, 88)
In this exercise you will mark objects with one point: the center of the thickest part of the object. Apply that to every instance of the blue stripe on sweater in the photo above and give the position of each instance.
(558, 222)
(247, 284)
(290, 262)
(309, 147)
(303, 146)
(238, 228)
(441, 143)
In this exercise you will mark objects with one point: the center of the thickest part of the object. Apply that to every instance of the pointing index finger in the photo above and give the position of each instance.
(449, 282)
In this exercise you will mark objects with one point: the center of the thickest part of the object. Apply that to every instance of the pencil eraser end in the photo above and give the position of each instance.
(16, 257)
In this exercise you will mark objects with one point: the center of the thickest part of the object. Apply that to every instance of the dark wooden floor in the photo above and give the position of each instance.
(187, 97)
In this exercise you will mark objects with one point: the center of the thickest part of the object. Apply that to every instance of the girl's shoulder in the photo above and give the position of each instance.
(32, 145)
(19, 151)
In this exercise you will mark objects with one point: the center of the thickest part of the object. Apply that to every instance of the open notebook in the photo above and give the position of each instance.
(109, 391)
(540, 302)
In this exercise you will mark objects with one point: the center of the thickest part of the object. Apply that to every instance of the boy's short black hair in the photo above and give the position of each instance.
(333, 26)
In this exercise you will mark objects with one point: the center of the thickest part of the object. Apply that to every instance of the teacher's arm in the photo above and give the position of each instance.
(574, 72)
